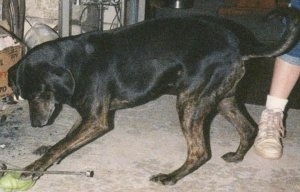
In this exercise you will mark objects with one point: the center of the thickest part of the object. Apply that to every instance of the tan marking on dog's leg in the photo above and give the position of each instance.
(229, 109)
(193, 130)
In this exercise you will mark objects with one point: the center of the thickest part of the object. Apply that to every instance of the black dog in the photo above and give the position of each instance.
(199, 59)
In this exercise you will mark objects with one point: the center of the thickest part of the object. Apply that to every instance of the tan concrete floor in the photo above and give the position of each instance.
(147, 140)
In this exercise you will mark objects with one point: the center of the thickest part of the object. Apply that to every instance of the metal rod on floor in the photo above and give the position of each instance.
(84, 173)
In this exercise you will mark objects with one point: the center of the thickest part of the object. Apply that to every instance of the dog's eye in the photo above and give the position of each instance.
(46, 95)
(32, 96)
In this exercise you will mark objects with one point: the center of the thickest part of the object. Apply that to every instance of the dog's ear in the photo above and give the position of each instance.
(61, 81)
(12, 80)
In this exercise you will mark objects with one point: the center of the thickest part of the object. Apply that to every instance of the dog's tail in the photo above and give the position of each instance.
(286, 42)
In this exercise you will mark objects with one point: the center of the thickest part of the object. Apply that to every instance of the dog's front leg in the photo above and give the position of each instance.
(89, 129)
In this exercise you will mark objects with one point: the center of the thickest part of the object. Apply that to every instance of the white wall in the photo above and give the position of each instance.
(47, 11)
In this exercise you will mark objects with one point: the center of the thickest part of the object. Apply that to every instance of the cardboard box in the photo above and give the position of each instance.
(8, 57)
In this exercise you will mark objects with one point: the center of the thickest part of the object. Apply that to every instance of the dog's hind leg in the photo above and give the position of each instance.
(192, 114)
(229, 109)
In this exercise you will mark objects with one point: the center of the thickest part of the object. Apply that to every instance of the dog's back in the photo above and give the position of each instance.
(167, 47)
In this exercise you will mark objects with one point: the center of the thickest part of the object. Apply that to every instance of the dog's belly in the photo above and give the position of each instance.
(151, 80)
(119, 103)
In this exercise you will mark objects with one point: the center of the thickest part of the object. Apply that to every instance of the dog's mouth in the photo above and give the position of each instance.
(40, 114)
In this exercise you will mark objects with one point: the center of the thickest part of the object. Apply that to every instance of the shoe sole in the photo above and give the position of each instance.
(268, 155)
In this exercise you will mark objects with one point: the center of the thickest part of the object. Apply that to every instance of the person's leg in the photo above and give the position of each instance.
(286, 72)
(285, 76)
(268, 141)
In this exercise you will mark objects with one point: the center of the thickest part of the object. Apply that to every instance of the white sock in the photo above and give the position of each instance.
(275, 103)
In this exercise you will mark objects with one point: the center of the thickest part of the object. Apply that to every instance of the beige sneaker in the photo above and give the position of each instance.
(268, 142)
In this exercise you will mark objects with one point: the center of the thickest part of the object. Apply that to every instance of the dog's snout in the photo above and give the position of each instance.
(40, 111)
(38, 119)
(38, 123)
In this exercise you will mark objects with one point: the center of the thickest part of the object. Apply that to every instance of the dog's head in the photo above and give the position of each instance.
(45, 86)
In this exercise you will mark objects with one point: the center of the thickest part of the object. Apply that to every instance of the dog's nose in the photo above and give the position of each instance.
(37, 123)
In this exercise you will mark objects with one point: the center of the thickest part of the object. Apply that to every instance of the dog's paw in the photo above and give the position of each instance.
(232, 157)
(164, 179)
(32, 171)
(32, 176)
(42, 150)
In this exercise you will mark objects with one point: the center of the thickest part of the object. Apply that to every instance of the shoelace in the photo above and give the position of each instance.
(271, 124)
